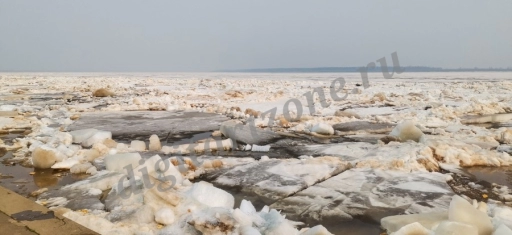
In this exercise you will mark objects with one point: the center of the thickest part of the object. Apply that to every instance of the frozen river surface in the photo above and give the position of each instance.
(258, 153)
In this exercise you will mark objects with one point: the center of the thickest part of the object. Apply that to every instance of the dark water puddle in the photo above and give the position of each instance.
(498, 175)
(24, 180)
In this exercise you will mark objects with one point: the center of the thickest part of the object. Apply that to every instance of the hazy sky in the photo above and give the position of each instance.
(159, 36)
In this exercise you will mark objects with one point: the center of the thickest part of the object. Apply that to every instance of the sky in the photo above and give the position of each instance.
(186, 36)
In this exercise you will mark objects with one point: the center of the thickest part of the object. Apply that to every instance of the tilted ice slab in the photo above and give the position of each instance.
(372, 192)
(393, 156)
(276, 179)
(148, 122)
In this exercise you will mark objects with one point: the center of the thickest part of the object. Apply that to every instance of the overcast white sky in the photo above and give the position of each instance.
(160, 36)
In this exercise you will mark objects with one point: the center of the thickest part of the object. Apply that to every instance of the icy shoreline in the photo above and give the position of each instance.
(404, 169)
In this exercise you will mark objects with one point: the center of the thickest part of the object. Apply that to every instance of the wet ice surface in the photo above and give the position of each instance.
(346, 181)
(501, 176)
(132, 124)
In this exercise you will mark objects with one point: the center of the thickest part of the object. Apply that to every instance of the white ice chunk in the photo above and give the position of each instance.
(80, 168)
(44, 157)
(138, 145)
(150, 166)
(211, 196)
(94, 191)
(406, 131)
(276, 224)
(64, 138)
(66, 164)
(257, 148)
(69, 152)
(462, 211)
(450, 227)
(323, 128)
(92, 170)
(265, 209)
(171, 172)
(118, 162)
(164, 216)
(427, 220)
(154, 143)
(98, 137)
(242, 218)
(162, 170)
(122, 147)
(247, 207)
(80, 136)
(317, 230)
(412, 229)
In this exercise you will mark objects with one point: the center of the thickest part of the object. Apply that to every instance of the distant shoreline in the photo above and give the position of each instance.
(356, 70)
(408, 69)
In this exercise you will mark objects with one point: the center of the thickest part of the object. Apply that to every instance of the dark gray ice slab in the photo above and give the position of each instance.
(275, 179)
(368, 193)
(130, 124)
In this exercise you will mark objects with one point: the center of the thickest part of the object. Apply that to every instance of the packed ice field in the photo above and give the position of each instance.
(207, 153)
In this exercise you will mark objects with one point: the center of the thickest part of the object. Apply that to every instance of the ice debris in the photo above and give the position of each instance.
(461, 218)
